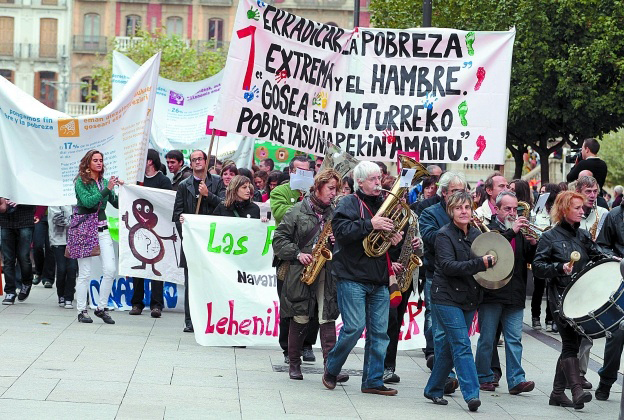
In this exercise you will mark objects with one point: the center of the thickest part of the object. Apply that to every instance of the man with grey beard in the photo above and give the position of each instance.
(506, 305)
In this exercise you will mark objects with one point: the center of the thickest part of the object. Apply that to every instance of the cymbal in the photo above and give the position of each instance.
(494, 244)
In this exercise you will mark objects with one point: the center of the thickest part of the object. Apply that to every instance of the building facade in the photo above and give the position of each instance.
(34, 47)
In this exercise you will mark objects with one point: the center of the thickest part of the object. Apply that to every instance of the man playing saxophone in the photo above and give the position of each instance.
(295, 240)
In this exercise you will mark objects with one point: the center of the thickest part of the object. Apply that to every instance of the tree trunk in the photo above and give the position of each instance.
(518, 155)
(545, 173)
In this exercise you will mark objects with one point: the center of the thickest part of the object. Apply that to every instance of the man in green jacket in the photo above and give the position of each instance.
(282, 196)
(282, 199)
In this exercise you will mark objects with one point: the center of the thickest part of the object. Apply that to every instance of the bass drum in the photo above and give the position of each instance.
(593, 302)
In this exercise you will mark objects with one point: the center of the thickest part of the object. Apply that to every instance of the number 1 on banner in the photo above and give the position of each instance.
(243, 33)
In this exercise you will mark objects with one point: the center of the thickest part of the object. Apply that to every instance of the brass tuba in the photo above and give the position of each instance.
(408, 259)
(378, 241)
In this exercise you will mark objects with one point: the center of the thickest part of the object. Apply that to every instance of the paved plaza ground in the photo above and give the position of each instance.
(144, 368)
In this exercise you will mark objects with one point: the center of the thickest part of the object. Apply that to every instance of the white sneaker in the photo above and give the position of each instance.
(68, 304)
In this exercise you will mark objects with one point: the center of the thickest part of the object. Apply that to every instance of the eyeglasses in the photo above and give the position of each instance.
(199, 159)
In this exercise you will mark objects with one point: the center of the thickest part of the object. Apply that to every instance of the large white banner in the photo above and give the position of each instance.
(442, 93)
(184, 113)
(41, 148)
(232, 286)
(148, 240)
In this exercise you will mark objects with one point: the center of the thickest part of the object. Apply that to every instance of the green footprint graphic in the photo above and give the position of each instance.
(463, 110)
(470, 39)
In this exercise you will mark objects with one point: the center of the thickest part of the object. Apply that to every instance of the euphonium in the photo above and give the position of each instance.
(320, 255)
(378, 241)
(408, 259)
(531, 231)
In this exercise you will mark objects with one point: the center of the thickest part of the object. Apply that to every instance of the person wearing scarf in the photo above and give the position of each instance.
(294, 240)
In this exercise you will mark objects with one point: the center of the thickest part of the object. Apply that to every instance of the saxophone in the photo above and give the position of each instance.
(320, 254)
(408, 259)
(594, 229)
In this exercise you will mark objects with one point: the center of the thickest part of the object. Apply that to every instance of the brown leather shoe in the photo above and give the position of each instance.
(381, 390)
(487, 386)
(527, 386)
(136, 310)
(329, 380)
(156, 312)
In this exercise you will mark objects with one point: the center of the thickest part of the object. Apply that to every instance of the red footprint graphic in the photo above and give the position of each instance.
(481, 144)
(480, 77)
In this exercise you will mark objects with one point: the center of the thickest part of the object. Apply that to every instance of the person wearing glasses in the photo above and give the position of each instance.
(212, 190)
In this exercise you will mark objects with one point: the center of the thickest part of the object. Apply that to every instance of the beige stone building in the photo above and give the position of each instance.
(97, 25)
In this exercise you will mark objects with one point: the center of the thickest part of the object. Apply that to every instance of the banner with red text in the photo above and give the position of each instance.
(41, 148)
(443, 93)
(233, 288)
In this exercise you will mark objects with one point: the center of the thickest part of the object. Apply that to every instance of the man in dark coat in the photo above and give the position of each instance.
(506, 305)
(363, 296)
(212, 190)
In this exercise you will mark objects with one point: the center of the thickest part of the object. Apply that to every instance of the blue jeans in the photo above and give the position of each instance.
(362, 305)
(16, 251)
(490, 314)
(428, 322)
(453, 348)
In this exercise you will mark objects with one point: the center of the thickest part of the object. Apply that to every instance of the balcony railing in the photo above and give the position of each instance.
(89, 44)
(123, 43)
(46, 51)
(9, 50)
(80, 108)
(34, 3)
(44, 3)
(177, 1)
(216, 2)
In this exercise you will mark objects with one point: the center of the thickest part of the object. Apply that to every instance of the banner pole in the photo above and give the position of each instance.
(199, 200)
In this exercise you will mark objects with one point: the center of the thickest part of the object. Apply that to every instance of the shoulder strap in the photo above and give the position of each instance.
(236, 213)
(309, 236)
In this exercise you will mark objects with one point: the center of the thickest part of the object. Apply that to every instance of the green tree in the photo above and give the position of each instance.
(568, 63)
(180, 61)
(611, 153)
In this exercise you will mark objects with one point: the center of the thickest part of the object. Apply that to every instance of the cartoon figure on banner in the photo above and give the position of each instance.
(146, 245)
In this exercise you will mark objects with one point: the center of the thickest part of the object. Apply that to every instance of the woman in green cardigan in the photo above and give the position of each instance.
(93, 192)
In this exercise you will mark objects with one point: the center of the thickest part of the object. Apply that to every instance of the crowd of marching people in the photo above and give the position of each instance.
(338, 251)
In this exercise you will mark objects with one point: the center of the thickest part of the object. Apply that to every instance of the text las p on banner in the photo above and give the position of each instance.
(443, 93)
(41, 148)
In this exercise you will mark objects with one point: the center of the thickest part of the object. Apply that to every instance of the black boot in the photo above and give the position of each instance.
(572, 373)
(296, 335)
(328, 341)
(558, 396)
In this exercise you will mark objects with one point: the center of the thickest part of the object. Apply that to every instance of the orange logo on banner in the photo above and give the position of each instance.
(68, 127)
